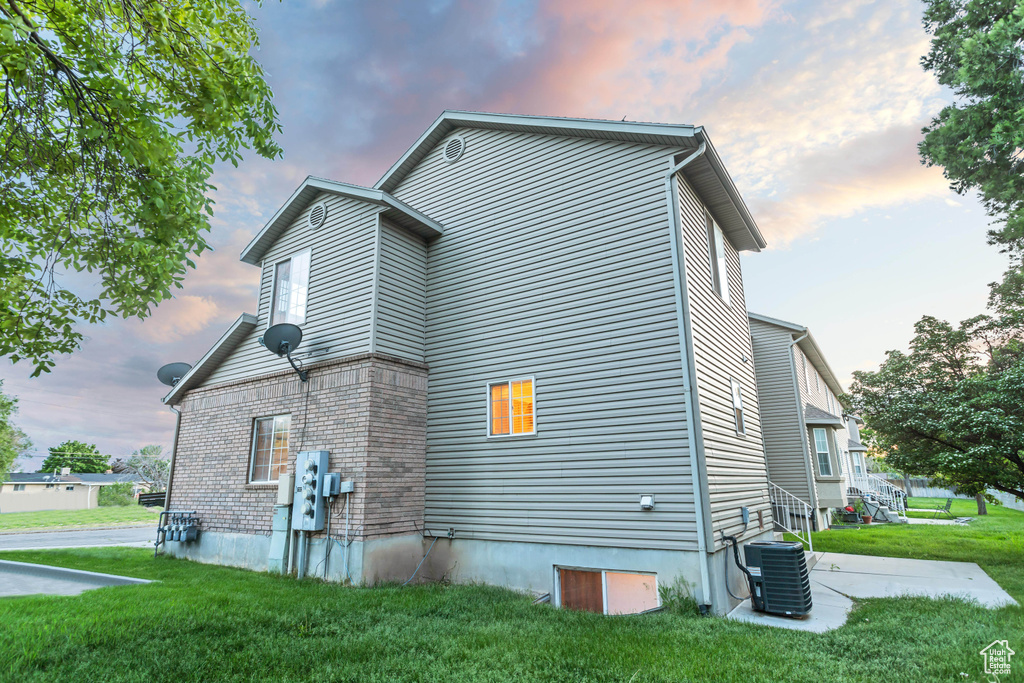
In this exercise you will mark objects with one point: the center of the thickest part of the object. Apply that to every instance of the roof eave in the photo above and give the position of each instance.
(397, 211)
(239, 329)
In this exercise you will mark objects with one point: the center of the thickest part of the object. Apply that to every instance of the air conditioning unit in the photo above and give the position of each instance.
(779, 581)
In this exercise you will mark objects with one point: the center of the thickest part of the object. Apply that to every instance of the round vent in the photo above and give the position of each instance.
(317, 215)
(454, 149)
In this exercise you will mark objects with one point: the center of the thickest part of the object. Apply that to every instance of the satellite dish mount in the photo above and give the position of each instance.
(282, 339)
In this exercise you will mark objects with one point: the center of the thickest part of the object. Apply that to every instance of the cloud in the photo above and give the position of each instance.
(179, 317)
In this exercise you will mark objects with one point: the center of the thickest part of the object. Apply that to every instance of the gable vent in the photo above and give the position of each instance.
(317, 215)
(454, 149)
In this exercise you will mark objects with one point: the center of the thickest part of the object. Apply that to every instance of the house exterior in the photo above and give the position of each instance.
(32, 492)
(528, 348)
(807, 439)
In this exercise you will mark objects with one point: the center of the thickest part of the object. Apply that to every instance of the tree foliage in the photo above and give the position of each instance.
(977, 50)
(82, 458)
(148, 464)
(953, 407)
(13, 442)
(113, 115)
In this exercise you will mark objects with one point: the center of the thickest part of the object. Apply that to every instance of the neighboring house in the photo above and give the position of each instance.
(30, 492)
(525, 326)
(806, 439)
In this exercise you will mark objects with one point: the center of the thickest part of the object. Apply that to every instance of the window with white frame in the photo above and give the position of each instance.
(737, 406)
(821, 448)
(716, 251)
(19, 487)
(607, 592)
(269, 448)
(510, 408)
(291, 287)
(858, 463)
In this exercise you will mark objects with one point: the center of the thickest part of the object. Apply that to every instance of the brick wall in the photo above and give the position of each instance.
(368, 411)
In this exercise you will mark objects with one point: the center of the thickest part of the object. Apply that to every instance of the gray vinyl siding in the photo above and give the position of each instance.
(338, 308)
(736, 472)
(556, 264)
(780, 422)
(401, 293)
(814, 394)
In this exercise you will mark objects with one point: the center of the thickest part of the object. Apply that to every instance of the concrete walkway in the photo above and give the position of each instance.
(22, 578)
(82, 538)
(837, 577)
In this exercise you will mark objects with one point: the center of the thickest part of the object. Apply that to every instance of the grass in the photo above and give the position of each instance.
(77, 519)
(204, 622)
(995, 541)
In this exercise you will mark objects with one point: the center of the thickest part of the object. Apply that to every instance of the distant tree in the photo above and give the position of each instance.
(148, 464)
(953, 407)
(977, 51)
(113, 116)
(82, 458)
(13, 442)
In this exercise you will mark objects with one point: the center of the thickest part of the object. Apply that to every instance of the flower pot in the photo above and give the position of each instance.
(866, 518)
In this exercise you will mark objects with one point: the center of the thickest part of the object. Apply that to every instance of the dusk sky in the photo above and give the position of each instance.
(815, 107)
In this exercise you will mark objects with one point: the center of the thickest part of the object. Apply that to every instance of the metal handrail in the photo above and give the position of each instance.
(890, 496)
(792, 514)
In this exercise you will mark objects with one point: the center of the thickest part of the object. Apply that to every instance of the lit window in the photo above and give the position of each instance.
(291, 286)
(821, 448)
(19, 487)
(737, 406)
(716, 249)
(270, 448)
(511, 408)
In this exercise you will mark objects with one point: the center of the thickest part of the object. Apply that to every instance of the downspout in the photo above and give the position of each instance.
(811, 491)
(689, 388)
(174, 452)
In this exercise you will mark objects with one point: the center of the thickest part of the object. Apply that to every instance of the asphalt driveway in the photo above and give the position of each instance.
(82, 538)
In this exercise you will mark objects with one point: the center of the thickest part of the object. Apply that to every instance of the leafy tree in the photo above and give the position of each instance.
(953, 407)
(82, 458)
(977, 50)
(116, 494)
(113, 115)
(13, 442)
(148, 464)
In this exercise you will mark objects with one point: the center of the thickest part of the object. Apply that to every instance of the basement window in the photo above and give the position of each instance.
(510, 408)
(269, 448)
(291, 287)
(607, 592)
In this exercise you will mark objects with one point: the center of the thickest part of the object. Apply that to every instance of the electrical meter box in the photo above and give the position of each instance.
(309, 509)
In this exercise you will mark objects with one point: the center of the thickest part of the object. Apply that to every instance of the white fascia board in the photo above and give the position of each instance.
(775, 321)
(813, 351)
(730, 189)
(244, 324)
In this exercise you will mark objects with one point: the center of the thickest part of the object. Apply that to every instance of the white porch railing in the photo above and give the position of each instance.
(882, 491)
(792, 514)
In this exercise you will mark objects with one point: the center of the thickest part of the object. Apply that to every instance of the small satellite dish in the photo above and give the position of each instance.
(172, 372)
(282, 339)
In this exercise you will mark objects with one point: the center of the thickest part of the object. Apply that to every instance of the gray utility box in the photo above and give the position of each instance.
(310, 505)
(779, 581)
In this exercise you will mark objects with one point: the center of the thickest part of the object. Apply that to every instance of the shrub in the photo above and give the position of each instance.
(117, 494)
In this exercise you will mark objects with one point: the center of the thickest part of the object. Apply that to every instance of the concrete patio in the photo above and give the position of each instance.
(837, 579)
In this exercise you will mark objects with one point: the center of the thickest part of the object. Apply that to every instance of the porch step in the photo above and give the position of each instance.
(811, 559)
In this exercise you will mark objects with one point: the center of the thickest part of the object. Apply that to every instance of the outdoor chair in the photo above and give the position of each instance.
(944, 509)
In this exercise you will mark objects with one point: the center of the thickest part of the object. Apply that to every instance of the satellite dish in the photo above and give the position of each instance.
(172, 372)
(282, 339)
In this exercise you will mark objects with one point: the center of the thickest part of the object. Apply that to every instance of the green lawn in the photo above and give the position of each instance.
(204, 623)
(995, 541)
(77, 519)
